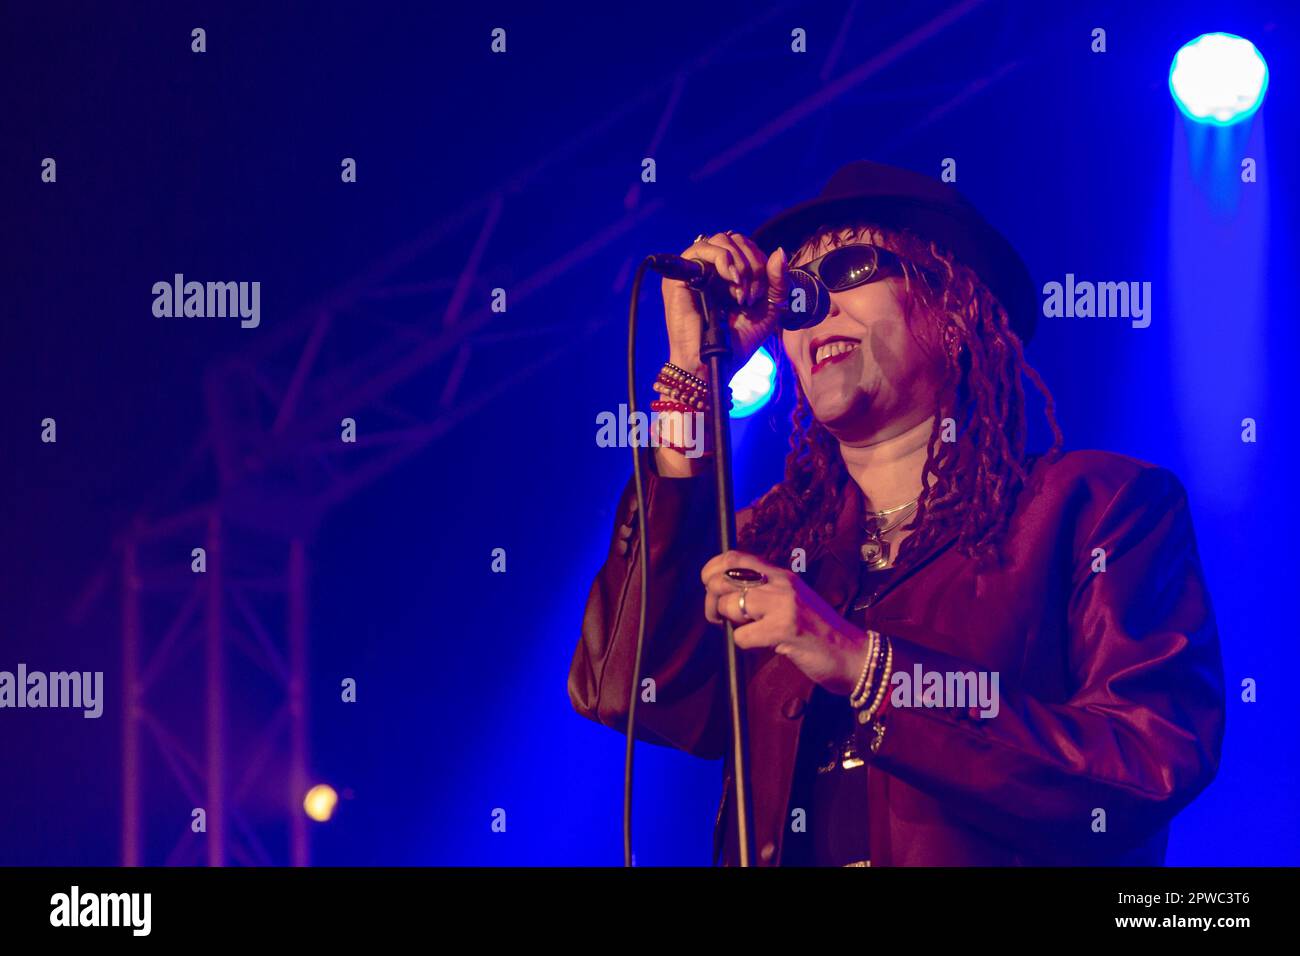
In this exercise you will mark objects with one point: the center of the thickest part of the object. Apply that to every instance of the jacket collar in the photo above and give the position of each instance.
(844, 546)
(845, 543)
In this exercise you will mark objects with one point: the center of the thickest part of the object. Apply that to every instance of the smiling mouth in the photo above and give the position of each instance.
(831, 351)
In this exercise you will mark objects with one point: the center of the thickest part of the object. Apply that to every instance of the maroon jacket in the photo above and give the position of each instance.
(1111, 684)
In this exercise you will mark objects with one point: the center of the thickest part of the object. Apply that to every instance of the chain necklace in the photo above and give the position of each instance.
(876, 550)
(840, 751)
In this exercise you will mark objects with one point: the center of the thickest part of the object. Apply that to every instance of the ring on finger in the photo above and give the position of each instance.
(744, 613)
(747, 577)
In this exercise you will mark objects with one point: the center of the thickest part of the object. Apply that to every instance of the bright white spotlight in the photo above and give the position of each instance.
(751, 387)
(1218, 78)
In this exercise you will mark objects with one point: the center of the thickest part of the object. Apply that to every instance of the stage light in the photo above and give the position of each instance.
(751, 387)
(320, 802)
(1218, 78)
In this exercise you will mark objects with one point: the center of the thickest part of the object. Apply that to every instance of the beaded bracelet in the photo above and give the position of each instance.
(680, 385)
(667, 405)
(697, 401)
(884, 680)
(677, 372)
(859, 696)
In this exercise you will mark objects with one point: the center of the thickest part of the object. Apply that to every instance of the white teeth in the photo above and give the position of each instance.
(833, 348)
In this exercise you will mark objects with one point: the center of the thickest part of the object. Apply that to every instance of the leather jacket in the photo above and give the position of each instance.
(1111, 707)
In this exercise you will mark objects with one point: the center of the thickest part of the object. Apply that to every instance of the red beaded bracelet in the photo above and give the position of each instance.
(668, 405)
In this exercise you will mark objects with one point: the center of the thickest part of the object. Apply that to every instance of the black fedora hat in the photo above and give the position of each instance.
(876, 194)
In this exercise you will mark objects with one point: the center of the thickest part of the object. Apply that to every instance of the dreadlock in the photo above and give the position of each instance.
(977, 476)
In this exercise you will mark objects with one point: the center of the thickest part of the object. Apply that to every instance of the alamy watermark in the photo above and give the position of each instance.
(82, 690)
(946, 689)
(1073, 299)
(127, 910)
(684, 430)
(209, 300)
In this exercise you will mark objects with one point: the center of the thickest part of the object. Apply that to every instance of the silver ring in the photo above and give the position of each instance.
(701, 238)
(743, 612)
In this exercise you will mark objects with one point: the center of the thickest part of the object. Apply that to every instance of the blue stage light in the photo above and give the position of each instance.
(1218, 78)
(751, 387)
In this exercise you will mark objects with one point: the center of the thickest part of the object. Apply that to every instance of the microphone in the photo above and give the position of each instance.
(696, 273)
(808, 301)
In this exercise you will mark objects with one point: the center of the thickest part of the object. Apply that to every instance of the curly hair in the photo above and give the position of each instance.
(976, 477)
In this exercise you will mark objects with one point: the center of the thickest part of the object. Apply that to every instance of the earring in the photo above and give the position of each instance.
(952, 343)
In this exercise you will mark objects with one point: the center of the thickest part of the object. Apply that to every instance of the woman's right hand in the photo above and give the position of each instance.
(752, 315)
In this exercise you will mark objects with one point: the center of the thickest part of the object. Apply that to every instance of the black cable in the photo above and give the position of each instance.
(644, 552)
(713, 345)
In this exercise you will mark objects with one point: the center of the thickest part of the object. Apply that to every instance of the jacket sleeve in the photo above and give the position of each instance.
(683, 654)
(1140, 734)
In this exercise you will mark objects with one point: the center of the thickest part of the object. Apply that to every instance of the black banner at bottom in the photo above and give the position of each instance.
(331, 905)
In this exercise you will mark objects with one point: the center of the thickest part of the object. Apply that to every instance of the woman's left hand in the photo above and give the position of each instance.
(788, 616)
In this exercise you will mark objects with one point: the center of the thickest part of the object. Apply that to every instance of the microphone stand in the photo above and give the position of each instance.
(715, 352)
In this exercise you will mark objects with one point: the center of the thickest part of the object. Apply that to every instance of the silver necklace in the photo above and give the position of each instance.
(876, 550)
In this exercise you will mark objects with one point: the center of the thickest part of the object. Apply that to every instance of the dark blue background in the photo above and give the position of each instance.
(226, 166)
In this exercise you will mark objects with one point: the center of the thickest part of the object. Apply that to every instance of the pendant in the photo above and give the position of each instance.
(876, 553)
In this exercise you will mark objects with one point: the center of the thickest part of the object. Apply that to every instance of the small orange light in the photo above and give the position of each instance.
(320, 802)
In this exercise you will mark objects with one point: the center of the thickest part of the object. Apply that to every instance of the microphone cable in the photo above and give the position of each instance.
(643, 552)
(643, 549)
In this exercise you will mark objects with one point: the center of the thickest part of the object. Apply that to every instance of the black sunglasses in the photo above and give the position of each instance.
(853, 265)
(846, 267)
